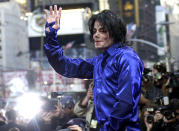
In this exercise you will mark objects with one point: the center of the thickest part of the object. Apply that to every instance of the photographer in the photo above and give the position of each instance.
(66, 113)
(152, 120)
(146, 83)
(161, 118)
(174, 123)
(146, 119)
(158, 121)
(160, 83)
(147, 80)
(85, 109)
(173, 86)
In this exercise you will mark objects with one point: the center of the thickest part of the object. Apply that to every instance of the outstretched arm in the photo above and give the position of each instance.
(73, 68)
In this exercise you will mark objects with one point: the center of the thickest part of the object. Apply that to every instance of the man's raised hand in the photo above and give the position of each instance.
(53, 16)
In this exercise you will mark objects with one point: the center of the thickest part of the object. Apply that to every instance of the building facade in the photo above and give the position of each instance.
(14, 48)
(142, 14)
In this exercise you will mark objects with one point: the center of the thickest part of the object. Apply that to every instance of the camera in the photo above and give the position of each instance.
(161, 100)
(146, 77)
(150, 117)
(174, 82)
(167, 111)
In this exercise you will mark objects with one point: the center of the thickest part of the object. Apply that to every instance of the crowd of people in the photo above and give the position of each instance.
(159, 103)
(55, 115)
(158, 106)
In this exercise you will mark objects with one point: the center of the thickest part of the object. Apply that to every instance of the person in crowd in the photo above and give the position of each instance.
(161, 118)
(143, 118)
(2, 119)
(76, 124)
(43, 120)
(158, 88)
(11, 116)
(57, 115)
(85, 108)
(173, 122)
(66, 113)
(147, 80)
(116, 72)
(75, 128)
(151, 120)
(160, 77)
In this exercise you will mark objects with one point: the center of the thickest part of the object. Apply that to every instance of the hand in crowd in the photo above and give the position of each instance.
(169, 121)
(158, 116)
(53, 16)
(47, 116)
(75, 128)
(90, 93)
(148, 125)
(167, 81)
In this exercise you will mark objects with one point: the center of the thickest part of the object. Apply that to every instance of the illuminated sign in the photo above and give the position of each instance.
(129, 11)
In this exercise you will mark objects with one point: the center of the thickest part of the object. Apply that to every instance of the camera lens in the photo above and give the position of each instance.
(150, 119)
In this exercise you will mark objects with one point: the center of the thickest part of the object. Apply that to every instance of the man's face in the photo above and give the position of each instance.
(101, 36)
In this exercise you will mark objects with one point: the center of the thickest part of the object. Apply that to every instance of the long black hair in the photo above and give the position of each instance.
(112, 22)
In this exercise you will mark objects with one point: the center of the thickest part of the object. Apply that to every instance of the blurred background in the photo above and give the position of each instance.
(152, 32)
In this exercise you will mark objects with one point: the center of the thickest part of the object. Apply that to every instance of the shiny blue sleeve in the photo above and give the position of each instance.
(72, 68)
(128, 92)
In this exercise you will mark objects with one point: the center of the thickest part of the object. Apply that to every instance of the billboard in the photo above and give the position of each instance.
(72, 22)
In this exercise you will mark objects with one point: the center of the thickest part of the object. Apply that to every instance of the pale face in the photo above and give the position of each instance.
(101, 37)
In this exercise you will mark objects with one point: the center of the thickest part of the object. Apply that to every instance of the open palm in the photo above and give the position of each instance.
(53, 16)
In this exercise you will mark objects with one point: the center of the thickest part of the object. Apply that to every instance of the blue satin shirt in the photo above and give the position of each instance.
(116, 75)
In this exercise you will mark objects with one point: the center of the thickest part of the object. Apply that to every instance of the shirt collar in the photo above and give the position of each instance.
(112, 48)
